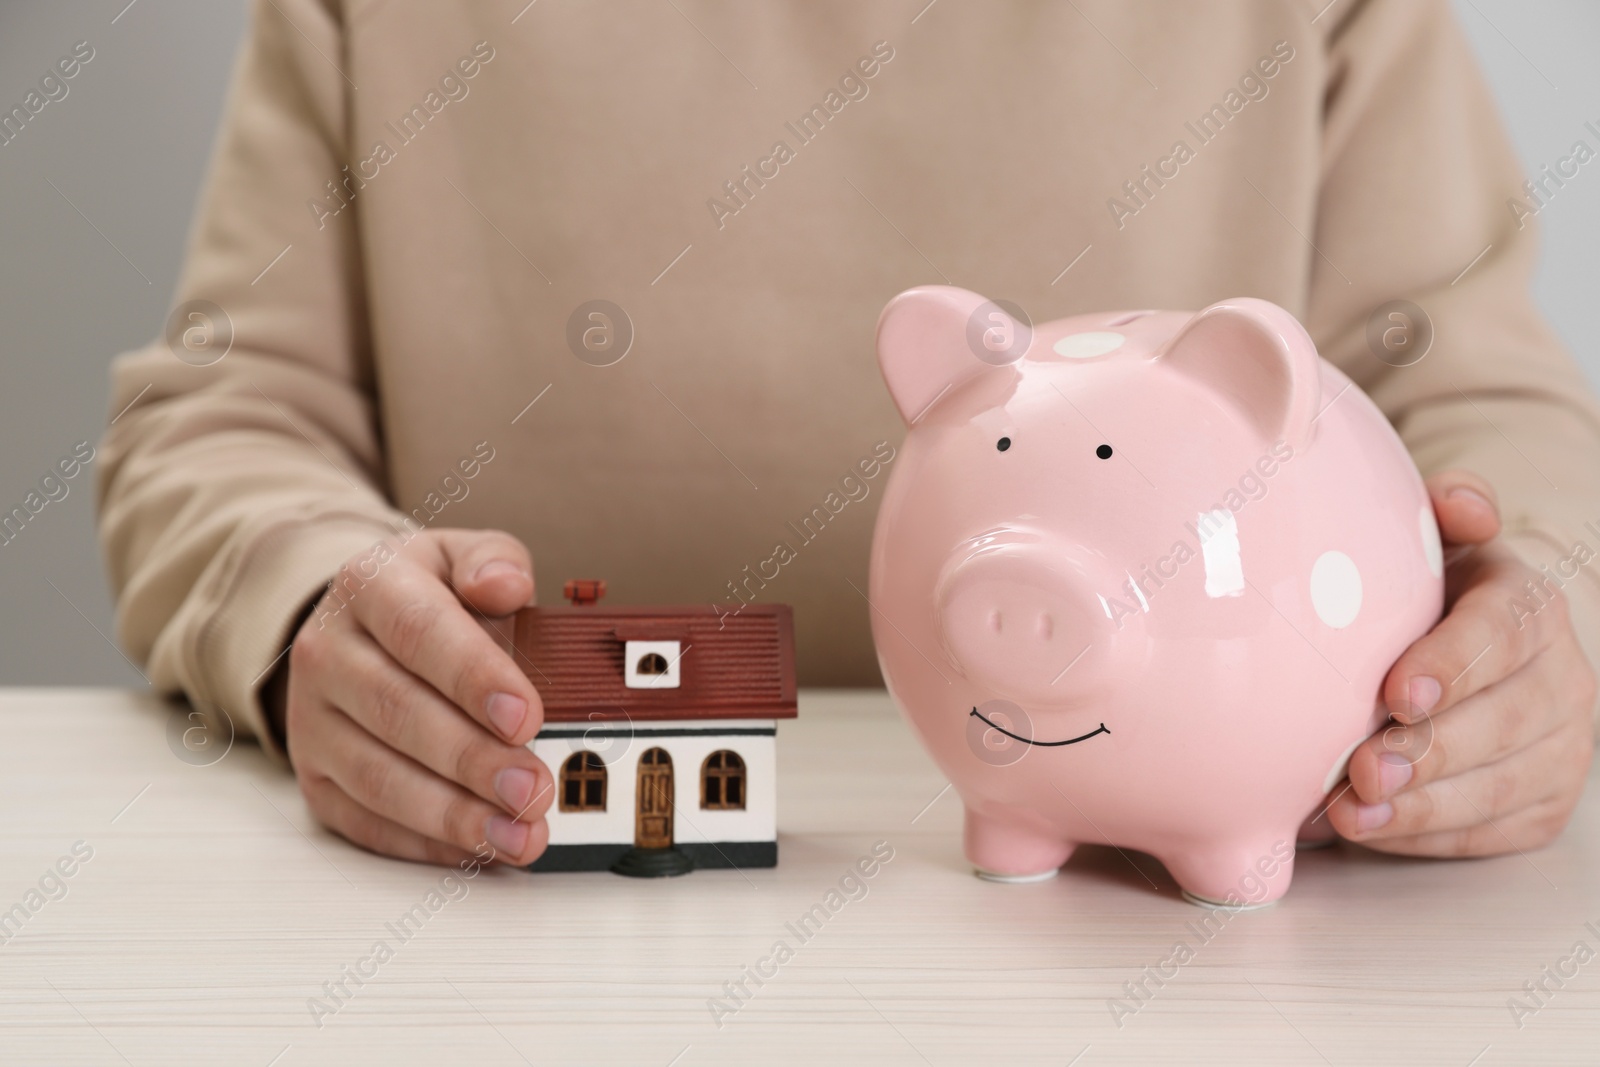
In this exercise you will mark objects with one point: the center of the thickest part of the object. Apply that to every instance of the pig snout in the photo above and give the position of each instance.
(1017, 619)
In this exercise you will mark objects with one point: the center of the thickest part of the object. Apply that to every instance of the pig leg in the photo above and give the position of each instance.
(1239, 874)
(1012, 848)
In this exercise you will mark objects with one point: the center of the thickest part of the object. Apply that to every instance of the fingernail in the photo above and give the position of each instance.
(1394, 771)
(1471, 494)
(497, 568)
(507, 713)
(507, 835)
(1424, 693)
(1368, 816)
(514, 787)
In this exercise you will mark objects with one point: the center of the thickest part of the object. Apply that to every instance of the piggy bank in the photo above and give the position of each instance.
(1137, 579)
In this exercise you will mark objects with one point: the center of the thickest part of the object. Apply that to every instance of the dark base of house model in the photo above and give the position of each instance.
(657, 862)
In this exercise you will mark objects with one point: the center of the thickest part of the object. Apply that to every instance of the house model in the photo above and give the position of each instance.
(660, 726)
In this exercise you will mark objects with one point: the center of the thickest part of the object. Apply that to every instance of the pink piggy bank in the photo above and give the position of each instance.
(1137, 579)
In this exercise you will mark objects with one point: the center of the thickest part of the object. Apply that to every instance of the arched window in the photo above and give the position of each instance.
(653, 663)
(583, 783)
(722, 781)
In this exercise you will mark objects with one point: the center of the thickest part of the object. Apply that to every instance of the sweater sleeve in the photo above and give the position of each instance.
(242, 464)
(1422, 200)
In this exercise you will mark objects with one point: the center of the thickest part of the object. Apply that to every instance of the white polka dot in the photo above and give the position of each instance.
(1341, 765)
(1336, 589)
(1088, 345)
(1430, 541)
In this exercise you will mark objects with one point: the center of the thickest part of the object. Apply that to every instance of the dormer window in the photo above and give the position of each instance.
(652, 664)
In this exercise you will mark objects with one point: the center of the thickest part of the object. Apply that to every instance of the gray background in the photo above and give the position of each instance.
(127, 148)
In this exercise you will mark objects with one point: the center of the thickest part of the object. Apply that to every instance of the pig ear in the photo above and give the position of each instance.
(922, 345)
(1260, 359)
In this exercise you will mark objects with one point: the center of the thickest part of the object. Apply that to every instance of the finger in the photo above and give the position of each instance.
(419, 621)
(490, 570)
(1466, 507)
(336, 810)
(1545, 771)
(1478, 642)
(1485, 728)
(1531, 828)
(392, 785)
(409, 715)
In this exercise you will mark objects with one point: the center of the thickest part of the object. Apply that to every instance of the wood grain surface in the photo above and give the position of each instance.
(213, 912)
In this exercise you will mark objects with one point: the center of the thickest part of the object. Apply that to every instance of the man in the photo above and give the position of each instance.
(414, 209)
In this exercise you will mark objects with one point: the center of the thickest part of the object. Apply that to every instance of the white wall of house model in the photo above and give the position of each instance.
(758, 821)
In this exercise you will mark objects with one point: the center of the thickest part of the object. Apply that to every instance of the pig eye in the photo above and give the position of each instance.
(1104, 451)
(1003, 444)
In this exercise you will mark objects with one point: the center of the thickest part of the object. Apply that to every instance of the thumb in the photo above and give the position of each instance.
(491, 570)
(1465, 506)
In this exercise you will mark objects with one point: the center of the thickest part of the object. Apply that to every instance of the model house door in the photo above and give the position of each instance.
(653, 823)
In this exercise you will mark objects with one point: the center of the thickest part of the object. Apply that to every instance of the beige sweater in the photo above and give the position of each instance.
(409, 203)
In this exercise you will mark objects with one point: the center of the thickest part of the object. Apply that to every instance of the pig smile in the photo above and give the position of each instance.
(1042, 744)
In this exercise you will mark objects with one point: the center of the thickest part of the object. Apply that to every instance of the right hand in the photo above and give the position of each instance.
(406, 722)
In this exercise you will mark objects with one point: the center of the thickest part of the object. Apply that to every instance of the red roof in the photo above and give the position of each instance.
(731, 666)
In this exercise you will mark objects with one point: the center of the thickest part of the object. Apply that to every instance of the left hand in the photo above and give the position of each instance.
(1495, 738)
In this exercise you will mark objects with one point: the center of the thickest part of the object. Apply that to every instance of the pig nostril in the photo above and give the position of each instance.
(1046, 627)
(994, 621)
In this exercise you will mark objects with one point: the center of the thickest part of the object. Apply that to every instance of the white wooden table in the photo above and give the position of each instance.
(213, 910)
